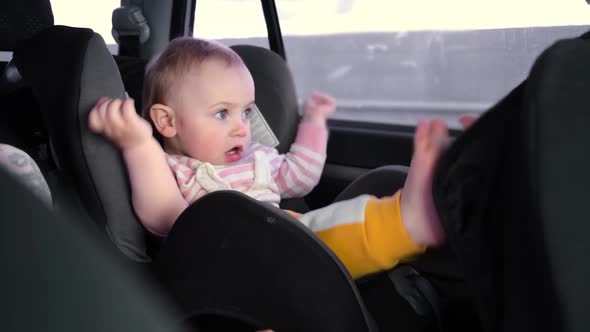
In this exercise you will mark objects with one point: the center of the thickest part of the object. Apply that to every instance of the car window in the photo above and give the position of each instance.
(231, 22)
(397, 61)
(95, 15)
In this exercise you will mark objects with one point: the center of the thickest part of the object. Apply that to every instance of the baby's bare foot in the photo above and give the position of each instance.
(417, 204)
(467, 120)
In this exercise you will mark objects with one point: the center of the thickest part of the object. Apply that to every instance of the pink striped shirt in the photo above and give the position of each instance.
(262, 173)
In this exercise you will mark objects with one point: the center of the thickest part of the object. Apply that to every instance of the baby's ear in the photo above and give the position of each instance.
(164, 119)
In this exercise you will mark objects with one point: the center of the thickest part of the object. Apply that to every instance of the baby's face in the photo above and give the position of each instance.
(213, 112)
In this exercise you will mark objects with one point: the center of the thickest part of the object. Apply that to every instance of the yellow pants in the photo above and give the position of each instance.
(365, 232)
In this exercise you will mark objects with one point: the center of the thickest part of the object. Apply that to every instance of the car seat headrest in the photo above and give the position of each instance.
(276, 95)
(22, 19)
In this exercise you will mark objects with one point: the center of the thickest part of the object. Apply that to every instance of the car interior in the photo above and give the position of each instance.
(513, 180)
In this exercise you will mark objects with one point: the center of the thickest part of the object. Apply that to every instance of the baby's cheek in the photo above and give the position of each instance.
(212, 142)
(213, 149)
(180, 123)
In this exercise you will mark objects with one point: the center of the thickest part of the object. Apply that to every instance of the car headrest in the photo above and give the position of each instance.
(512, 192)
(69, 69)
(276, 96)
(22, 19)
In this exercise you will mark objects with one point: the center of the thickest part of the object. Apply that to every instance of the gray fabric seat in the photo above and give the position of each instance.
(83, 70)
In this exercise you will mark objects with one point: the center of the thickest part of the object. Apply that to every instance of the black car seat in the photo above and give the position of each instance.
(512, 194)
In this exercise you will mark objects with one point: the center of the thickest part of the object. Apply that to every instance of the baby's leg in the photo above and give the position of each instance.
(419, 214)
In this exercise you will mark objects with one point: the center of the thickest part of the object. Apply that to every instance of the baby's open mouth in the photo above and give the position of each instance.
(235, 150)
(234, 154)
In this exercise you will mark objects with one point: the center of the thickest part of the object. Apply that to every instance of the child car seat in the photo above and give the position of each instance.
(82, 70)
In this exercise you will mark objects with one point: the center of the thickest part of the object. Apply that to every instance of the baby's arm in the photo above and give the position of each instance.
(156, 198)
(302, 166)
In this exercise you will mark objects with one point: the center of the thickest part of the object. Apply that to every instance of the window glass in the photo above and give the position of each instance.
(231, 22)
(95, 15)
(397, 60)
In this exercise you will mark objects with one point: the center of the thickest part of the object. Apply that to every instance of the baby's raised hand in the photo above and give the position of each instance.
(119, 122)
(318, 107)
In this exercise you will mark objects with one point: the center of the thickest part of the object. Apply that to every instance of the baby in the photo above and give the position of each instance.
(198, 99)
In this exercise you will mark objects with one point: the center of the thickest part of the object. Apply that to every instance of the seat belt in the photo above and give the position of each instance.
(129, 46)
(130, 30)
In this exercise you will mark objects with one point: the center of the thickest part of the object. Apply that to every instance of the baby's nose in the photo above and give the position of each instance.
(239, 128)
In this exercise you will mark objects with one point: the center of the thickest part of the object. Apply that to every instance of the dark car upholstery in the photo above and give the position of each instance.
(512, 195)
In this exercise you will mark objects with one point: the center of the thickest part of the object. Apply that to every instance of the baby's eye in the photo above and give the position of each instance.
(221, 114)
(247, 114)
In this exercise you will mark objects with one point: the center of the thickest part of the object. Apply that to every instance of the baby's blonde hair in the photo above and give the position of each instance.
(175, 61)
